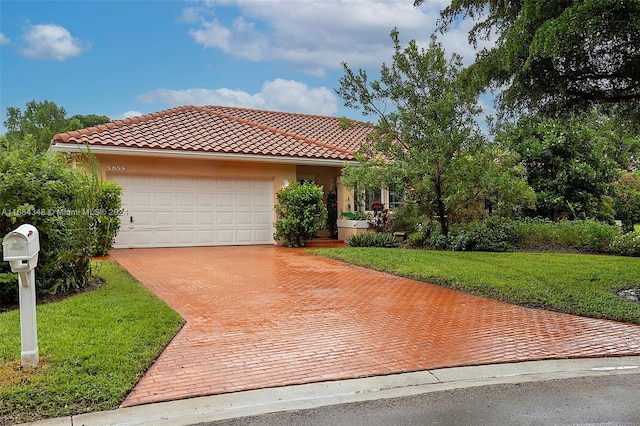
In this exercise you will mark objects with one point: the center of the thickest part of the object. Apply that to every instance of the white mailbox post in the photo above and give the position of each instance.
(20, 248)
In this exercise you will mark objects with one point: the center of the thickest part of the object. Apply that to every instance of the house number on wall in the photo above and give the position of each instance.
(116, 168)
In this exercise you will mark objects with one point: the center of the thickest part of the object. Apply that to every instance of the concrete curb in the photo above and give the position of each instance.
(313, 395)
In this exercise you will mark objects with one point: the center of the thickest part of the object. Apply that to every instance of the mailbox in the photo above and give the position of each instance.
(21, 247)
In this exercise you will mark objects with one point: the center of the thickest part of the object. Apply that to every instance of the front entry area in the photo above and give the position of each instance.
(186, 211)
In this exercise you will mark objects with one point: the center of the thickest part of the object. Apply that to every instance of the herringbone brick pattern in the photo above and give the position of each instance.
(268, 316)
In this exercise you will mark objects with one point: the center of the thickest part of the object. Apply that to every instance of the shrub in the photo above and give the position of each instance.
(107, 221)
(585, 235)
(61, 201)
(626, 244)
(380, 221)
(406, 218)
(495, 235)
(372, 239)
(301, 213)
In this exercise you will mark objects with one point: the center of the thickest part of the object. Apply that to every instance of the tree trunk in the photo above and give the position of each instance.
(440, 207)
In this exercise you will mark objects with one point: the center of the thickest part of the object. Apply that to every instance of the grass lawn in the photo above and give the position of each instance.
(573, 283)
(94, 347)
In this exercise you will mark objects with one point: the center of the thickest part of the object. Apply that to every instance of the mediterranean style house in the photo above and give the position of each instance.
(208, 175)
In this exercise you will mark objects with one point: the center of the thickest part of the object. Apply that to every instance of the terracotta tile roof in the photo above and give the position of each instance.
(228, 130)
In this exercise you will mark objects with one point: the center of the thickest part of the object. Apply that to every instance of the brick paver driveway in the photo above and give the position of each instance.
(268, 316)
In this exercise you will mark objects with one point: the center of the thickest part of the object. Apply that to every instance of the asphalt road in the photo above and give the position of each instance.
(600, 400)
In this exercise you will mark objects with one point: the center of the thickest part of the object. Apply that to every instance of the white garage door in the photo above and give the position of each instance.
(180, 211)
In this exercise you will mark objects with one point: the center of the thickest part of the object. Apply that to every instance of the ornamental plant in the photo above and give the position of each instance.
(301, 213)
(76, 214)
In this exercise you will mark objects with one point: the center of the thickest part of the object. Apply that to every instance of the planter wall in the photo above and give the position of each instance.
(347, 228)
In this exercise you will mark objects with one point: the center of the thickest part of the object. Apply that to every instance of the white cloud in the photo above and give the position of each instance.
(4, 39)
(319, 35)
(127, 114)
(51, 41)
(278, 95)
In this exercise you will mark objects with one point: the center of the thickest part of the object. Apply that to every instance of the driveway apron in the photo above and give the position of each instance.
(266, 316)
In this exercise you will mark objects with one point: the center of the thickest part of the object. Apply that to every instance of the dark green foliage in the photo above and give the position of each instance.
(496, 235)
(406, 217)
(63, 203)
(583, 235)
(301, 213)
(42, 120)
(332, 213)
(372, 239)
(554, 56)
(568, 164)
(626, 245)
(627, 200)
(90, 120)
(108, 217)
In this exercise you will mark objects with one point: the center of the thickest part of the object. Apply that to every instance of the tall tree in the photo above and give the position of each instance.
(426, 130)
(556, 55)
(571, 163)
(43, 120)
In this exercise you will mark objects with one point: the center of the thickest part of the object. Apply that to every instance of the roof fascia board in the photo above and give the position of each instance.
(145, 152)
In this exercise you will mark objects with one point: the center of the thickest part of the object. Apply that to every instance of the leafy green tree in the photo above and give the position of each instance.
(555, 55)
(568, 164)
(90, 120)
(627, 200)
(301, 213)
(426, 133)
(43, 120)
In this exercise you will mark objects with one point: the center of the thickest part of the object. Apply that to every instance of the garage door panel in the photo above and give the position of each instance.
(205, 218)
(163, 218)
(244, 200)
(263, 200)
(244, 236)
(224, 218)
(225, 236)
(244, 218)
(165, 183)
(224, 185)
(224, 199)
(141, 199)
(185, 200)
(262, 218)
(164, 199)
(185, 237)
(206, 200)
(263, 236)
(175, 211)
(141, 217)
(185, 218)
(244, 185)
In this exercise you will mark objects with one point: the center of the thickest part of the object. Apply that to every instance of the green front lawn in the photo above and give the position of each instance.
(573, 283)
(94, 347)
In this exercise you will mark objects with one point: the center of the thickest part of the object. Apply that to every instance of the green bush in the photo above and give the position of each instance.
(372, 239)
(626, 244)
(406, 218)
(584, 235)
(61, 201)
(108, 217)
(301, 213)
(495, 235)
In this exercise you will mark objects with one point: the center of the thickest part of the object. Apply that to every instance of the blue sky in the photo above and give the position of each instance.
(125, 58)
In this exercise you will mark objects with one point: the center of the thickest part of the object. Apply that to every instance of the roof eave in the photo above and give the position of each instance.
(224, 156)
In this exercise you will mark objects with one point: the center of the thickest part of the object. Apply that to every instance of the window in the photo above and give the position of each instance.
(365, 197)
